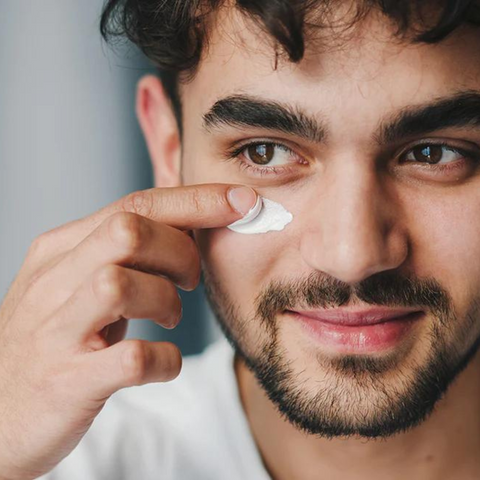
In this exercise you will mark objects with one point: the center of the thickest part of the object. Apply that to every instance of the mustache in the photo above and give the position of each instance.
(387, 289)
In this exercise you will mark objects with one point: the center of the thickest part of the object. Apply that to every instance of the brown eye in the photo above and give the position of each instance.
(428, 153)
(432, 154)
(261, 153)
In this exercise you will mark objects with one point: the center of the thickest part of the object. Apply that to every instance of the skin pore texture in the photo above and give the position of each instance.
(374, 224)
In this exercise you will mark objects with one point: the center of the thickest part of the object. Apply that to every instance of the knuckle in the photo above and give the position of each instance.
(111, 285)
(134, 361)
(38, 247)
(140, 202)
(127, 231)
(197, 201)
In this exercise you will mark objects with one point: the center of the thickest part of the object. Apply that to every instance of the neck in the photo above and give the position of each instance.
(445, 446)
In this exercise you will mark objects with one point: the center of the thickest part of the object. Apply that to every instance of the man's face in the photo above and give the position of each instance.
(374, 223)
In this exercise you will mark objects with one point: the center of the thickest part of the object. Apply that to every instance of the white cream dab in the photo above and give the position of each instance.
(265, 216)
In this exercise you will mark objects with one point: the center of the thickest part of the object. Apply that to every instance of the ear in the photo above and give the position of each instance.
(157, 120)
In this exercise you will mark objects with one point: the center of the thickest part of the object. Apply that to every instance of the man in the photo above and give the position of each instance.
(352, 331)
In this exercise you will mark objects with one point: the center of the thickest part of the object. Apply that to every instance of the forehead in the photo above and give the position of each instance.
(367, 69)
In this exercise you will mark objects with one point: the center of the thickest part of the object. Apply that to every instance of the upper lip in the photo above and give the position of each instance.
(353, 317)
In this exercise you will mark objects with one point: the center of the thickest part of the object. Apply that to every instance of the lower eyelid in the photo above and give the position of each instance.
(263, 170)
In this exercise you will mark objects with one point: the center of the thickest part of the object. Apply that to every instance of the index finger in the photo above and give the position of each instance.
(190, 207)
(187, 207)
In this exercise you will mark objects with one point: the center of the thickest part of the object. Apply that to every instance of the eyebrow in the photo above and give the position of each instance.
(461, 109)
(249, 111)
(239, 110)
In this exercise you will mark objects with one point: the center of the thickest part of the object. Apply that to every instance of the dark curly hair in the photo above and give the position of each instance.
(172, 33)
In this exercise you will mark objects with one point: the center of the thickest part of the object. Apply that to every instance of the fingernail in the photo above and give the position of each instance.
(242, 199)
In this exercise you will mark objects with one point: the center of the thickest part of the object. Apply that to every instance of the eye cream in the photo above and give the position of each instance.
(265, 216)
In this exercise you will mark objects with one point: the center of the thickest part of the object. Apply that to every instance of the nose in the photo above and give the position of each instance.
(354, 228)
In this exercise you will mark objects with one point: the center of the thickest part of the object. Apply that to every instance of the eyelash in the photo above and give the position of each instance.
(234, 154)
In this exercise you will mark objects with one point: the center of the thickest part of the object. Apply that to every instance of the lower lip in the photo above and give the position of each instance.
(360, 338)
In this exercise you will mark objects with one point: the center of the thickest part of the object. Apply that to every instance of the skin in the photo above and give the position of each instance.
(352, 220)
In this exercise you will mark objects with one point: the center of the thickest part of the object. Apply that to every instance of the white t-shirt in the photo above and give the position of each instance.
(191, 428)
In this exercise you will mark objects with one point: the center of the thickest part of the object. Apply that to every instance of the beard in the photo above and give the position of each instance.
(361, 395)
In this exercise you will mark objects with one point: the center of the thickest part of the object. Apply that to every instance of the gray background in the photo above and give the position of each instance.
(69, 139)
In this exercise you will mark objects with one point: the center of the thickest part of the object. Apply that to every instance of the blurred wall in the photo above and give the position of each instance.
(69, 139)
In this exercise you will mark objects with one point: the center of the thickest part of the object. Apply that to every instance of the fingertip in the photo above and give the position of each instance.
(242, 199)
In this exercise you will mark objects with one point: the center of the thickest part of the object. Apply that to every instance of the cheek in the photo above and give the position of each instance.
(242, 263)
(447, 244)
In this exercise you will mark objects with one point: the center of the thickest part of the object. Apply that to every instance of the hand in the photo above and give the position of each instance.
(64, 319)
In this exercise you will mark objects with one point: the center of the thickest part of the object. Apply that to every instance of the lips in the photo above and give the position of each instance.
(355, 317)
(347, 330)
